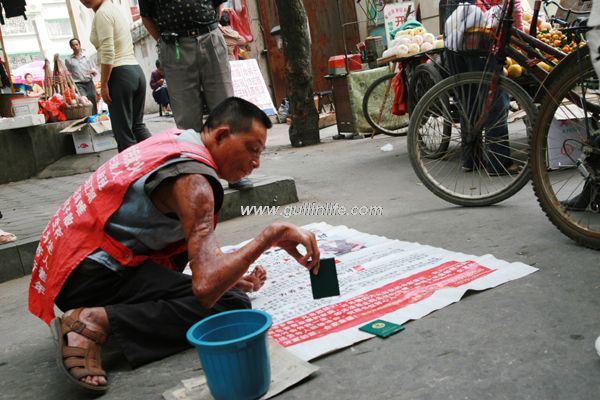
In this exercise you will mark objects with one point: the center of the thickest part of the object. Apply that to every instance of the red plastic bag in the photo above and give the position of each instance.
(399, 106)
(53, 110)
(241, 23)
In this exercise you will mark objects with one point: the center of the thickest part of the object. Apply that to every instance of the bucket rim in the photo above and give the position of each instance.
(198, 342)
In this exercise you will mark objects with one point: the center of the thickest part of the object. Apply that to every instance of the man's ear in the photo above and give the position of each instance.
(221, 133)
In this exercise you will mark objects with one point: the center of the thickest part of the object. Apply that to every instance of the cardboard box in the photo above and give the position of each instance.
(91, 137)
(22, 121)
(25, 106)
(564, 137)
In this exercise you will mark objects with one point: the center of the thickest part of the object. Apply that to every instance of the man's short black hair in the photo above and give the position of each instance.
(238, 114)
(157, 63)
(27, 74)
(71, 41)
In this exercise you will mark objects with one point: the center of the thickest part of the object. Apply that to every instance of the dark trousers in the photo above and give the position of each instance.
(150, 308)
(161, 96)
(88, 89)
(127, 88)
(496, 156)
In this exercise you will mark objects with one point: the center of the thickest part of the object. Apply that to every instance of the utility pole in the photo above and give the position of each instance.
(298, 71)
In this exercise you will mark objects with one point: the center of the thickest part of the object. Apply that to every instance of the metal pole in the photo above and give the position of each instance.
(343, 37)
(6, 63)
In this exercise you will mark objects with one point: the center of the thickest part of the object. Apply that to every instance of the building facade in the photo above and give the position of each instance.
(49, 26)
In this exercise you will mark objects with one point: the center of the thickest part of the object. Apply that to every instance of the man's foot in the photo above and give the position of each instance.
(243, 184)
(79, 335)
(253, 281)
(6, 237)
(581, 201)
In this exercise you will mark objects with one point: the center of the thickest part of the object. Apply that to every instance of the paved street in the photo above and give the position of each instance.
(528, 339)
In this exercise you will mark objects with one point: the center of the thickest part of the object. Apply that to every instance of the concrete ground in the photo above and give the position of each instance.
(528, 339)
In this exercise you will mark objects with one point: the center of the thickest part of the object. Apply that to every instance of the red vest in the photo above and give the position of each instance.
(77, 228)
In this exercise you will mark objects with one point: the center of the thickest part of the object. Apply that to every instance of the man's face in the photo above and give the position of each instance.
(29, 79)
(75, 46)
(238, 155)
(93, 4)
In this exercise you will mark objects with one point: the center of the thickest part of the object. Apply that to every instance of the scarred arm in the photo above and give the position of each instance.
(215, 272)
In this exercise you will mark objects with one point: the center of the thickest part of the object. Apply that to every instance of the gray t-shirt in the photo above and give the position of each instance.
(138, 224)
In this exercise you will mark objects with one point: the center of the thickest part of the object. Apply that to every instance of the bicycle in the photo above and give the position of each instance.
(565, 155)
(378, 100)
(418, 78)
(485, 161)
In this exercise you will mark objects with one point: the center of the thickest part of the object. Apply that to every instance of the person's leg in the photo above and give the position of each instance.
(149, 308)
(216, 72)
(216, 80)
(121, 89)
(164, 96)
(497, 151)
(457, 64)
(140, 131)
(182, 73)
(90, 93)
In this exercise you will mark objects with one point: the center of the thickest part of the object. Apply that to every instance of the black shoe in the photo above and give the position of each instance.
(581, 201)
(243, 184)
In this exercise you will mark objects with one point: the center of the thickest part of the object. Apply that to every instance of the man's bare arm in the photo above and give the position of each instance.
(215, 272)
(151, 28)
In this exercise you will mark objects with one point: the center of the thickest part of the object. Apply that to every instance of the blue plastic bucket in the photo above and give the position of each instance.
(234, 353)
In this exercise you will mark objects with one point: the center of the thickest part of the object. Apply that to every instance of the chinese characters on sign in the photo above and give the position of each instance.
(394, 15)
(378, 278)
(248, 83)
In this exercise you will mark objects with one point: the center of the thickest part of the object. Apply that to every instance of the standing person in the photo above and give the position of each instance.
(193, 54)
(232, 37)
(122, 81)
(111, 257)
(160, 93)
(83, 71)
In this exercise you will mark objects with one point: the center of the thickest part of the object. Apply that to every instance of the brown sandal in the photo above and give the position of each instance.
(77, 362)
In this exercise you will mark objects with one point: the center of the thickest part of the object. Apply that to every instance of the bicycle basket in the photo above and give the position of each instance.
(469, 28)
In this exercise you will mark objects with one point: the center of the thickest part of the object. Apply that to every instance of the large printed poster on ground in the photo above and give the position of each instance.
(378, 277)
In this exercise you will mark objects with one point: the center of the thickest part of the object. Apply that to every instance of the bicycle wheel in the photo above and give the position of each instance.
(562, 140)
(487, 157)
(377, 108)
(423, 78)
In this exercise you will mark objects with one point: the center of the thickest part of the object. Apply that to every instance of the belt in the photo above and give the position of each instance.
(198, 31)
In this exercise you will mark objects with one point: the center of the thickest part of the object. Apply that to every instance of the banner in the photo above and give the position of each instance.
(379, 278)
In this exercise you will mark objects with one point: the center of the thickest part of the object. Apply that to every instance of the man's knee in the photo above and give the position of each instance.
(237, 299)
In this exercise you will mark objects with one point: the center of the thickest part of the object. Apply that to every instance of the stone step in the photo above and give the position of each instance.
(16, 259)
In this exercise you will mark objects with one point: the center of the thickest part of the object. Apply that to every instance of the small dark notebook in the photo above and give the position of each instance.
(325, 284)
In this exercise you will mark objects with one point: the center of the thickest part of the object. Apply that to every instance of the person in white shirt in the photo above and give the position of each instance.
(122, 81)
(83, 71)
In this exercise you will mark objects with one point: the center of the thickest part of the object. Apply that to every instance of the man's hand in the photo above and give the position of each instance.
(253, 281)
(289, 236)
(105, 94)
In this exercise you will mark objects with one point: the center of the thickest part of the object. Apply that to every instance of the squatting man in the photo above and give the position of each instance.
(111, 257)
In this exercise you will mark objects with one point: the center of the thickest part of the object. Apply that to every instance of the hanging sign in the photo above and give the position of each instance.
(394, 15)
